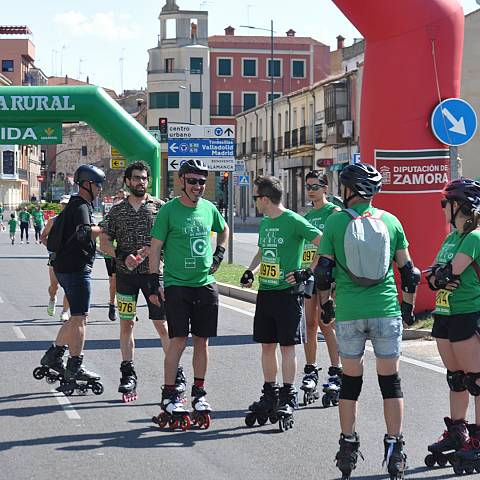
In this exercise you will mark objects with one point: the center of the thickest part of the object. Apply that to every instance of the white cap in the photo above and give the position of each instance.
(65, 199)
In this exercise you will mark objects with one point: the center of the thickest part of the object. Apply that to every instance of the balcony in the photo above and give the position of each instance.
(286, 139)
(225, 110)
(295, 137)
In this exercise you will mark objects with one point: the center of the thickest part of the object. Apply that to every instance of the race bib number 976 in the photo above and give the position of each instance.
(127, 306)
(270, 270)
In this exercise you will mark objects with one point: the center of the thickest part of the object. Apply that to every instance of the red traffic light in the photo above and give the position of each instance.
(225, 175)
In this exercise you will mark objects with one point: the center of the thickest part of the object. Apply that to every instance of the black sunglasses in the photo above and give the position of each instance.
(443, 202)
(314, 187)
(195, 181)
(255, 197)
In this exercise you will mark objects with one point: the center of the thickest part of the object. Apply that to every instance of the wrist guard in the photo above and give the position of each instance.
(217, 259)
(407, 313)
(155, 281)
(442, 275)
(302, 275)
(247, 277)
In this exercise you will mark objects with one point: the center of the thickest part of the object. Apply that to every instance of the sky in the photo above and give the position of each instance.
(108, 39)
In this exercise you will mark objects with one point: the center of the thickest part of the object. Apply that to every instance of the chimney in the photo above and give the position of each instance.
(66, 79)
(230, 31)
(88, 79)
(291, 33)
(340, 42)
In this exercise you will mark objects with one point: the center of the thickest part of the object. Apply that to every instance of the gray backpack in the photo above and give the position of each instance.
(367, 248)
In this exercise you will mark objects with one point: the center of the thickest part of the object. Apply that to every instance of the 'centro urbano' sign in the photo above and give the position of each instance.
(35, 103)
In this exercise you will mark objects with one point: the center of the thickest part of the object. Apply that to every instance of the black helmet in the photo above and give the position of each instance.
(364, 179)
(193, 166)
(464, 190)
(89, 173)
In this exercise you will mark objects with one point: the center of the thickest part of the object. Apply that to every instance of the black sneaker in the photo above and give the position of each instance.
(112, 312)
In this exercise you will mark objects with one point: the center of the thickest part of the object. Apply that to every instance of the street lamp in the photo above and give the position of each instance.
(272, 131)
(183, 87)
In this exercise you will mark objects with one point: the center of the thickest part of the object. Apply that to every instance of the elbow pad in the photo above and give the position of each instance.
(83, 234)
(324, 273)
(410, 277)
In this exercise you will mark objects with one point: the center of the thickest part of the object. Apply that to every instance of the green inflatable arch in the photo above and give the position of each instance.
(24, 105)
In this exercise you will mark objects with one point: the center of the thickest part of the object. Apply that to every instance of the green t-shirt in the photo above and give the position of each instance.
(354, 302)
(38, 218)
(465, 298)
(24, 217)
(185, 232)
(12, 223)
(317, 217)
(281, 241)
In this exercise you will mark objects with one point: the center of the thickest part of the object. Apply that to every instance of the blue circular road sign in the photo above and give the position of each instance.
(454, 122)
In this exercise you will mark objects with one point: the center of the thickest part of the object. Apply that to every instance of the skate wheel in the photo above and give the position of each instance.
(470, 469)
(97, 388)
(250, 419)
(335, 403)
(38, 373)
(173, 423)
(162, 420)
(458, 469)
(206, 421)
(262, 419)
(185, 423)
(305, 399)
(442, 461)
(51, 379)
(273, 418)
(325, 401)
(430, 461)
(82, 390)
(68, 392)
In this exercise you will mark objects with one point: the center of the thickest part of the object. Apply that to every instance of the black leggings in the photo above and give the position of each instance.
(38, 230)
(23, 227)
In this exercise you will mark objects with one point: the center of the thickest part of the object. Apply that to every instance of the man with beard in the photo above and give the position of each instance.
(128, 224)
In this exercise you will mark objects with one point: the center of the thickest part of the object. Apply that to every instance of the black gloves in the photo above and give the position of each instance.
(155, 281)
(217, 259)
(247, 277)
(302, 275)
(407, 313)
(328, 312)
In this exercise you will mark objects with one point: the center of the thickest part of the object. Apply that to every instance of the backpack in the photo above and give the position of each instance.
(55, 236)
(367, 248)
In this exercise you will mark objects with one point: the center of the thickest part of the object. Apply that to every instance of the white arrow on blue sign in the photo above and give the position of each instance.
(454, 121)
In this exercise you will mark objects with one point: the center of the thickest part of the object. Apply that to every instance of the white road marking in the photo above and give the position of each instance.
(18, 332)
(70, 412)
(1, 300)
(412, 361)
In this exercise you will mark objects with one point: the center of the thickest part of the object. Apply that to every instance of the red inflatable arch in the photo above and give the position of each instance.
(413, 53)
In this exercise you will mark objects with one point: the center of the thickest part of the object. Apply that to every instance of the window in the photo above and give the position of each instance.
(196, 100)
(8, 162)
(196, 65)
(277, 68)
(249, 67)
(275, 95)
(225, 104)
(336, 102)
(249, 100)
(7, 65)
(224, 67)
(164, 100)
(169, 65)
(298, 68)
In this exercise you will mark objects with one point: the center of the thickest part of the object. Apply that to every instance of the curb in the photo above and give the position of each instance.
(249, 295)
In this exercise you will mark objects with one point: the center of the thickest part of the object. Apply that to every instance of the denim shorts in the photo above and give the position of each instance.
(77, 289)
(385, 334)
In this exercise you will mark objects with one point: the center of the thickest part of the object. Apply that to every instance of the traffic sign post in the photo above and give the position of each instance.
(454, 122)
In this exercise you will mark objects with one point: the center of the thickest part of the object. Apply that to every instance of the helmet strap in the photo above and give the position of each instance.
(89, 190)
(346, 199)
(185, 191)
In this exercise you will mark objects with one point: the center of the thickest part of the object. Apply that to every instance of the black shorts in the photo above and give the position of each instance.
(278, 317)
(456, 327)
(192, 309)
(110, 263)
(128, 288)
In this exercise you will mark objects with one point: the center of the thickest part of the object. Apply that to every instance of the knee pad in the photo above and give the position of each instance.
(456, 380)
(351, 387)
(471, 385)
(390, 386)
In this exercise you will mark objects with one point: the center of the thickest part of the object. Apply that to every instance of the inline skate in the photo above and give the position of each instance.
(77, 377)
(201, 408)
(264, 409)
(52, 366)
(467, 458)
(347, 455)
(331, 389)
(173, 411)
(452, 439)
(287, 403)
(180, 381)
(128, 382)
(309, 384)
(395, 458)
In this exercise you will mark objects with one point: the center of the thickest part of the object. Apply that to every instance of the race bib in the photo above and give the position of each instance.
(127, 306)
(270, 270)
(308, 255)
(442, 304)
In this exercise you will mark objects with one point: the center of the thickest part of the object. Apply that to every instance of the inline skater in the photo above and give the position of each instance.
(72, 262)
(316, 185)
(182, 229)
(364, 270)
(24, 218)
(12, 226)
(53, 287)
(456, 327)
(128, 224)
(279, 307)
(38, 222)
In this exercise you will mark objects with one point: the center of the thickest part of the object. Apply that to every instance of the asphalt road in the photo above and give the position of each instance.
(45, 435)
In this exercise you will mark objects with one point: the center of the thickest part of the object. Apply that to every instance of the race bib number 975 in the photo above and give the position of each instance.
(270, 270)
